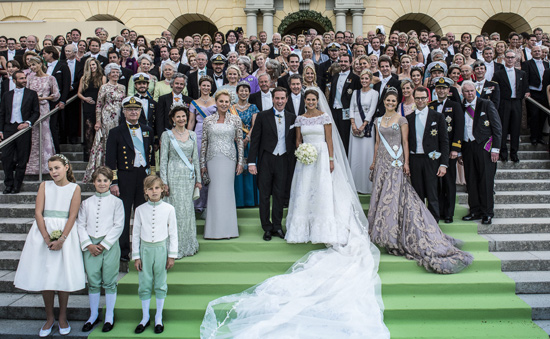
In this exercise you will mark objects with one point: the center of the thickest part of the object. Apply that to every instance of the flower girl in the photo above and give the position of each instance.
(154, 248)
(100, 223)
(51, 259)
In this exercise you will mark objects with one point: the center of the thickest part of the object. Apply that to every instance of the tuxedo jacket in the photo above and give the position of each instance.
(193, 84)
(486, 122)
(350, 85)
(23, 50)
(283, 82)
(226, 49)
(522, 86)
(151, 114)
(454, 121)
(5, 86)
(62, 75)
(264, 136)
(272, 54)
(120, 152)
(102, 60)
(30, 109)
(290, 105)
(533, 77)
(155, 70)
(323, 75)
(78, 73)
(435, 137)
(395, 83)
(125, 76)
(491, 91)
(255, 99)
(474, 53)
(162, 122)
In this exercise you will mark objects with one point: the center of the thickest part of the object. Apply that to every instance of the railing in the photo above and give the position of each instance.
(39, 124)
(544, 109)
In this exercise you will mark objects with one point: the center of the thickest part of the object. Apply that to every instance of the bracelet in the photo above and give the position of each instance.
(331, 158)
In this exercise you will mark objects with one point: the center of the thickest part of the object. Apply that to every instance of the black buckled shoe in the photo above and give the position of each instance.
(88, 326)
(8, 190)
(159, 328)
(108, 326)
(140, 328)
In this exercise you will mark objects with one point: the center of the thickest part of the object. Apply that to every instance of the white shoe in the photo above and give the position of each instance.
(45, 333)
(65, 331)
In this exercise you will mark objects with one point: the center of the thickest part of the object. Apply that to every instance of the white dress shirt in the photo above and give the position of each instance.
(479, 54)
(12, 84)
(51, 66)
(154, 222)
(11, 54)
(72, 65)
(232, 47)
(540, 68)
(490, 70)
(101, 215)
(296, 102)
(16, 116)
(528, 55)
(479, 86)
(511, 72)
(422, 116)
(340, 88)
(440, 105)
(469, 122)
(425, 50)
(383, 83)
(280, 149)
(219, 82)
(267, 100)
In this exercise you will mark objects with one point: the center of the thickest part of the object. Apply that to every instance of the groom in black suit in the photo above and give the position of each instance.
(429, 148)
(272, 144)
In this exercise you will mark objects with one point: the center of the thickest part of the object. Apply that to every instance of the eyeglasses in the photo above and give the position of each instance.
(421, 98)
(510, 57)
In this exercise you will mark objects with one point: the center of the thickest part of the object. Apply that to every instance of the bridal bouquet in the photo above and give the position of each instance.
(55, 235)
(306, 154)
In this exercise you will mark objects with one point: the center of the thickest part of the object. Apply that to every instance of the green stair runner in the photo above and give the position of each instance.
(479, 302)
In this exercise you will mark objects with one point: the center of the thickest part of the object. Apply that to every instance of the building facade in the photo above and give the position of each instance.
(183, 17)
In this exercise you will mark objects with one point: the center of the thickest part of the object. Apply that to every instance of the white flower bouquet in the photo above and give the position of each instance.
(306, 154)
(55, 235)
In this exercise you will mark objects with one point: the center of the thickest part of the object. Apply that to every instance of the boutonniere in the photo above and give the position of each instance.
(433, 132)
(348, 81)
(122, 77)
(486, 123)
(145, 134)
(448, 119)
(350, 91)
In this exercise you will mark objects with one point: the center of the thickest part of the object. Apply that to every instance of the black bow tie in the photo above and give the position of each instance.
(142, 97)
(136, 126)
(218, 77)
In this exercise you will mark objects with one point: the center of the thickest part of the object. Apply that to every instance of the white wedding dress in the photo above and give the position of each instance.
(330, 293)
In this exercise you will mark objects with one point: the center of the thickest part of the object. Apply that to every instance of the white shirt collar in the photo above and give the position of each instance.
(511, 69)
(296, 96)
(268, 94)
(422, 112)
(346, 73)
(279, 112)
(19, 90)
(473, 103)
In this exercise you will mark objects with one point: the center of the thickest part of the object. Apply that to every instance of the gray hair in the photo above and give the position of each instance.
(232, 53)
(275, 34)
(110, 67)
(246, 61)
(263, 74)
(435, 52)
(73, 47)
(178, 75)
(168, 63)
(144, 56)
(274, 64)
(468, 83)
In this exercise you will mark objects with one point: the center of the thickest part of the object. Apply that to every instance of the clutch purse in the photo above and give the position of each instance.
(196, 193)
(371, 176)
(360, 134)
(205, 179)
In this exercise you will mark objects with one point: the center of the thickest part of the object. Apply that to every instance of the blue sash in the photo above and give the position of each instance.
(197, 107)
(180, 153)
(139, 145)
(394, 154)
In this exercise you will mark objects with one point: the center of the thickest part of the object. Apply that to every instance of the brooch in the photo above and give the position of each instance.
(486, 123)
(395, 127)
(396, 163)
(448, 119)
(433, 132)
(395, 148)
(449, 129)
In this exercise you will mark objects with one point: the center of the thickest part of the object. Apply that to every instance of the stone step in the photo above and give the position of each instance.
(28, 198)
(530, 174)
(15, 225)
(540, 304)
(12, 241)
(531, 282)
(526, 146)
(23, 329)
(511, 197)
(544, 324)
(522, 155)
(34, 177)
(518, 242)
(525, 164)
(515, 226)
(79, 148)
(77, 165)
(30, 306)
(518, 210)
(32, 186)
(524, 260)
(522, 185)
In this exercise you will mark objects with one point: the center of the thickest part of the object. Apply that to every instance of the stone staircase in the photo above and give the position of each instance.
(520, 232)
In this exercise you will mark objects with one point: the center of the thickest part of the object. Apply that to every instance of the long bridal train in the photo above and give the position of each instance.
(334, 292)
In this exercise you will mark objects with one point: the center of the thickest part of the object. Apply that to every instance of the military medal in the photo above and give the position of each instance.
(486, 123)
(433, 132)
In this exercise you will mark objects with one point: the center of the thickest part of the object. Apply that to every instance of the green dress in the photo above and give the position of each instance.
(176, 175)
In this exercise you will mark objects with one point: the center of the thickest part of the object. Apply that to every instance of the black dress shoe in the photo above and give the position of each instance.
(487, 220)
(514, 158)
(281, 234)
(267, 235)
(16, 190)
(108, 326)
(140, 328)
(88, 326)
(470, 217)
(503, 158)
(159, 328)
(542, 142)
(449, 220)
(8, 190)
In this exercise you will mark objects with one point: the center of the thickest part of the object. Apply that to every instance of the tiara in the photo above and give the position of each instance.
(64, 158)
(391, 89)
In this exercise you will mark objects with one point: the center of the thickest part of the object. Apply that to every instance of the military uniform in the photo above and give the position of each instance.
(129, 155)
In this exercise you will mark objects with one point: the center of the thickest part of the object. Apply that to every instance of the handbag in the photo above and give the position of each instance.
(196, 193)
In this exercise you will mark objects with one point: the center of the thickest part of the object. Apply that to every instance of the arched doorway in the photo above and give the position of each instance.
(16, 18)
(299, 22)
(104, 17)
(417, 22)
(189, 24)
(505, 23)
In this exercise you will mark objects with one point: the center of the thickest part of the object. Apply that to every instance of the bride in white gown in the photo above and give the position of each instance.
(330, 293)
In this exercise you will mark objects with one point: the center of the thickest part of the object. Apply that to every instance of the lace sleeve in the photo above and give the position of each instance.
(238, 139)
(298, 121)
(402, 121)
(204, 142)
(164, 154)
(325, 119)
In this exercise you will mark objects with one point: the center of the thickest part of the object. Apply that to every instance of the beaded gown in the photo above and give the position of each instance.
(246, 186)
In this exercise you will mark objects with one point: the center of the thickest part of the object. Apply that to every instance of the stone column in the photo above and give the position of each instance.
(268, 22)
(251, 21)
(340, 19)
(357, 21)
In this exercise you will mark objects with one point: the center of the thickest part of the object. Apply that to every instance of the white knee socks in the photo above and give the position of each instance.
(158, 316)
(94, 307)
(110, 300)
(145, 309)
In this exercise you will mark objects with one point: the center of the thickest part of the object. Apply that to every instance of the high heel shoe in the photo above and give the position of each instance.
(65, 331)
(44, 333)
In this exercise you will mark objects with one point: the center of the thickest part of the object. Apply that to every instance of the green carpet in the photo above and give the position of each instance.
(479, 302)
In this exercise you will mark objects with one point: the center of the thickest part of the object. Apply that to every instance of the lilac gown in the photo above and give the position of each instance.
(399, 221)
(200, 203)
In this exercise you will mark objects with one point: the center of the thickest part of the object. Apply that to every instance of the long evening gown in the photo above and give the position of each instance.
(45, 86)
(177, 176)
(246, 187)
(200, 203)
(399, 221)
(108, 111)
(88, 113)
